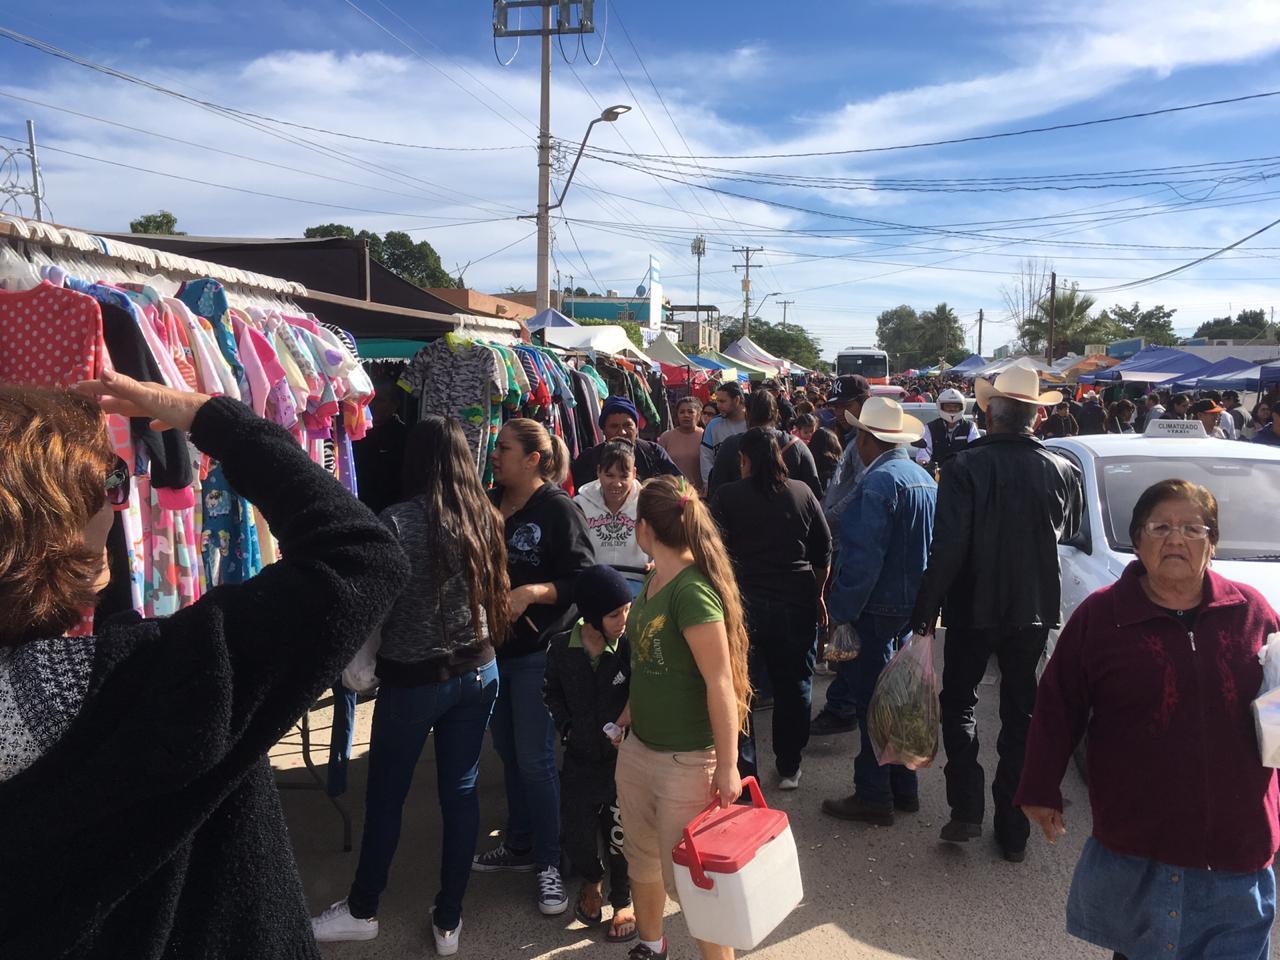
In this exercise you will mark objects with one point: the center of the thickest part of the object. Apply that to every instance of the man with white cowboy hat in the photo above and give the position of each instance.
(884, 543)
(1004, 505)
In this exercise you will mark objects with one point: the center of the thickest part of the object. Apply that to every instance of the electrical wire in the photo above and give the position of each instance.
(51, 50)
(974, 139)
(246, 190)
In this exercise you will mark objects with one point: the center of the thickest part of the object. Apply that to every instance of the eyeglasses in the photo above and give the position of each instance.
(118, 484)
(1189, 531)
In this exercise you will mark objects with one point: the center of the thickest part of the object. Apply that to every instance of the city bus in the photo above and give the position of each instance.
(871, 362)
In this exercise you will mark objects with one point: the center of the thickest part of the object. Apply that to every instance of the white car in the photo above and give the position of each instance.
(1117, 468)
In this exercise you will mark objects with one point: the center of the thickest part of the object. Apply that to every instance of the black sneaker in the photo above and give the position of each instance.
(858, 810)
(827, 723)
(552, 899)
(641, 952)
(960, 831)
(1013, 854)
(907, 806)
(502, 857)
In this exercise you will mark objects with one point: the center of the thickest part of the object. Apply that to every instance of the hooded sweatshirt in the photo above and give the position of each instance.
(547, 542)
(614, 534)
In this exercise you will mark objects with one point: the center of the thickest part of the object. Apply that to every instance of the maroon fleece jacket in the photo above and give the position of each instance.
(1174, 770)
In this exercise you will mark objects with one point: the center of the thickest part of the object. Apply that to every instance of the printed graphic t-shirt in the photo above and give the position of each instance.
(668, 694)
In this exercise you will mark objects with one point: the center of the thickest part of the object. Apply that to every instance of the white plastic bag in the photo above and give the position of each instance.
(1266, 708)
(361, 674)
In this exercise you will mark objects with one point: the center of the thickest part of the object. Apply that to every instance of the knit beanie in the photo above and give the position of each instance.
(598, 592)
(618, 405)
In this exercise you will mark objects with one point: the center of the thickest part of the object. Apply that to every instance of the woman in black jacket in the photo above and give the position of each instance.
(138, 815)
(780, 543)
(437, 674)
(547, 547)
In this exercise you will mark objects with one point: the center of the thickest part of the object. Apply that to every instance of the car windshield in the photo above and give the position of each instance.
(1248, 493)
(869, 365)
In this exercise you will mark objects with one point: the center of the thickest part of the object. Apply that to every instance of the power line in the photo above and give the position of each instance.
(246, 190)
(1186, 266)
(53, 51)
(974, 139)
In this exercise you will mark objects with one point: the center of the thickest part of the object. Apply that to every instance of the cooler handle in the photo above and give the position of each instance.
(700, 878)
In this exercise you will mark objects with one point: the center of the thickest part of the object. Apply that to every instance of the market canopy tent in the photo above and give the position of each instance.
(747, 350)
(1145, 359)
(1223, 367)
(664, 350)
(752, 370)
(1032, 363)
(1174, 365)
(549, 317)
(969, 365)
(1251, 379)
(608, 339)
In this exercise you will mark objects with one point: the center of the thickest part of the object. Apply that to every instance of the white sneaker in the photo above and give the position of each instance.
(337, 925)
(447, 940)
(790, 783)
(552, 900)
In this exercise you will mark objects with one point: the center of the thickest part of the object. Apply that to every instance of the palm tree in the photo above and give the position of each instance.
(941, 334)
(1073, 326)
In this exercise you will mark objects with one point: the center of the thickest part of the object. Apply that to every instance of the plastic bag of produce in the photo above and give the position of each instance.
(844, 644)
(1266, 709)
(903, 716)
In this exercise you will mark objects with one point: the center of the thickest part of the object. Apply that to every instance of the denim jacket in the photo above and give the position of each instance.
(884, 540)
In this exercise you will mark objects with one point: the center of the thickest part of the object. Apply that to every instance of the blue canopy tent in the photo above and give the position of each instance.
(968, 365)
(1150, 365)
(1253, 379)
(549, 318)
(708, 364)
(1223, 367)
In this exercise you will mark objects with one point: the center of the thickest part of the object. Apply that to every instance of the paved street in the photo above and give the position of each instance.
(869, 892)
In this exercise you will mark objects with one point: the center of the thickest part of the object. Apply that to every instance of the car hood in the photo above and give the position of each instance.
(1262, 575)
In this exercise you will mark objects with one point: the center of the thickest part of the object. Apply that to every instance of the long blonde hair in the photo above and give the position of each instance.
(680, 520)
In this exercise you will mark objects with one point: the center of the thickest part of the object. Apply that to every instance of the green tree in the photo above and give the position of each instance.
(416, 262)
(1154, 325)
(162, 222)
(1248, 325)
(898, 333)
(342, 230)
(632, 328)
(792, 342)
(941, 336)
(1074, 325)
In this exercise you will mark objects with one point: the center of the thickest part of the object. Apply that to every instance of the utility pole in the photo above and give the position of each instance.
(699, 249)
(550, 27)
(35, 169)
(1053, 306)
(571, 297)
(785, 304)
(979, 351)
(747, 253)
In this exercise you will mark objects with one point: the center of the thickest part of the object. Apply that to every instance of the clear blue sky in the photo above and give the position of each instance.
(741, 78)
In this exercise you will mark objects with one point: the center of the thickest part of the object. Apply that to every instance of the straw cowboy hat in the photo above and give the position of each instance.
(882, 417)
(1017, 383)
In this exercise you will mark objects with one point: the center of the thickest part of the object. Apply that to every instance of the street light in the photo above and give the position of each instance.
(763, 301)
(608, 115)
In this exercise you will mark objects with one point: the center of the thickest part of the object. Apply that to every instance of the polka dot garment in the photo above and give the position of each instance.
(49, 336)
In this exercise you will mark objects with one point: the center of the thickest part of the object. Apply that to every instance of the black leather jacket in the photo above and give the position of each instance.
(1004, 505)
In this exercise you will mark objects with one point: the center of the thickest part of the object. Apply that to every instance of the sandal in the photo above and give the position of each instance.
(587, 897)
(622, 917)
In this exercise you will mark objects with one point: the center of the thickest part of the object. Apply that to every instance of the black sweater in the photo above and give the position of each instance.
(151, 829)
(547, 542)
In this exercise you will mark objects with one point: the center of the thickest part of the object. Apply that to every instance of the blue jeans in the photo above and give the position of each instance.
(525, 737)
(873, 783)
(841, 698)
(458, 711)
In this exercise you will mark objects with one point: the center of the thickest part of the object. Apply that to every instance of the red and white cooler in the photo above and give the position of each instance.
(737, 872)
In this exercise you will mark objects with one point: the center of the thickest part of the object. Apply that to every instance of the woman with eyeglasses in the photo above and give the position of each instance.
(138, 815)
(1160, 670)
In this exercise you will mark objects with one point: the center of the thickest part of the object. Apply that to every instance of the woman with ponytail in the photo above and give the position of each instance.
(547, 547)
(689, 697)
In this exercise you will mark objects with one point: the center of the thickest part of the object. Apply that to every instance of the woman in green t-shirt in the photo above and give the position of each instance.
(689, 697)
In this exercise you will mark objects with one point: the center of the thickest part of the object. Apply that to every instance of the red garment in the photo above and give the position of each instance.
(51, 337)
(1174, 771)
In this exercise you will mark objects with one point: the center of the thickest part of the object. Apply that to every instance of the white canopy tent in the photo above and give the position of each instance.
(664, 349)
(603, 339)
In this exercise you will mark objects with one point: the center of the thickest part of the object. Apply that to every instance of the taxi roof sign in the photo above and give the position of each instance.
(1182, 429)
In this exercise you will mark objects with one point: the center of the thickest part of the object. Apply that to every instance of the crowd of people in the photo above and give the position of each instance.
(622, 644)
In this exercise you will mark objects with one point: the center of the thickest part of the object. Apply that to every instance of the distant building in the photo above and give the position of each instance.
(484, 304)
(614, 309)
